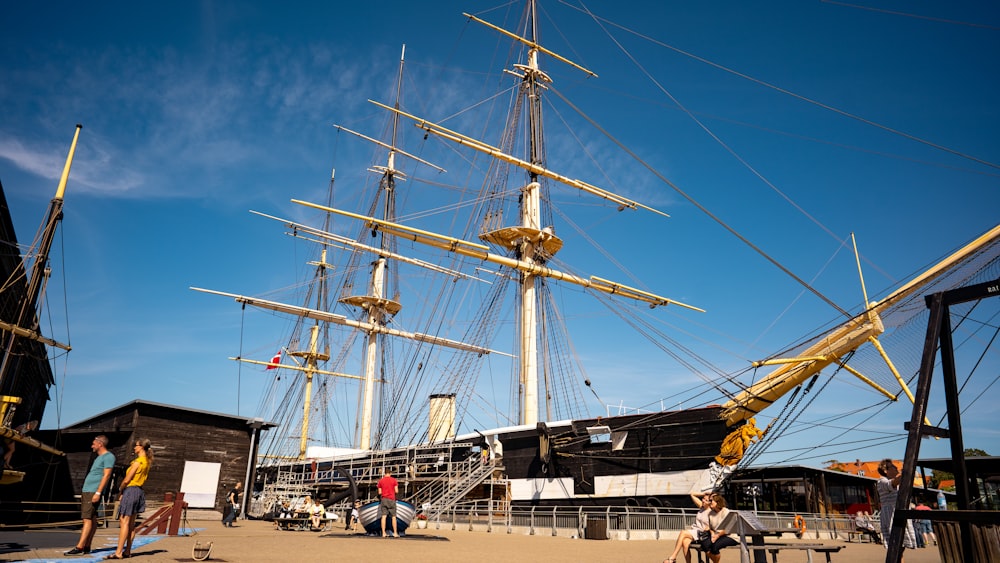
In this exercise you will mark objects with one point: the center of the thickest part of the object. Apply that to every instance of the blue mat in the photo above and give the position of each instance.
(101, 553)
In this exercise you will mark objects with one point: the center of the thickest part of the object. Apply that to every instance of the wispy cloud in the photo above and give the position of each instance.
(192, 120)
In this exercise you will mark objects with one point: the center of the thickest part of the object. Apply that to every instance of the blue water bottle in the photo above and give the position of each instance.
(942, 503)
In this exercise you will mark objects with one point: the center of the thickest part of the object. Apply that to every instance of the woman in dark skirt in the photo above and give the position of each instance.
(133, 500)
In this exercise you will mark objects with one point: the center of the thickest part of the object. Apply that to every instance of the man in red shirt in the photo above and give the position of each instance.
(387, 489)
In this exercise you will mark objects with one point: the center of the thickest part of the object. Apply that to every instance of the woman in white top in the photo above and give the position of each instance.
(685, 537)
(317, 512)
(718, 537)
(887, 488)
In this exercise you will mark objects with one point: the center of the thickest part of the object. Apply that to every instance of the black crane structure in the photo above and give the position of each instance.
(939, 339)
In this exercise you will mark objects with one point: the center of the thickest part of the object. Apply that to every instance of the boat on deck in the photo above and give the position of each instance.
(413, 391)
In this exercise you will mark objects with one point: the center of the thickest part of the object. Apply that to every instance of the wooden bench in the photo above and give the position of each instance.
(293, 523)
(861, 535)
(302, 523)
(775, 548)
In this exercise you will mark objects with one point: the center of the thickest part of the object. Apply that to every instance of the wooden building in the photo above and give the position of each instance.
(199, 453)
(798, 488)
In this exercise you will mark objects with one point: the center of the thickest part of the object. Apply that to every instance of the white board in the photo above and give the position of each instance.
(200, 483)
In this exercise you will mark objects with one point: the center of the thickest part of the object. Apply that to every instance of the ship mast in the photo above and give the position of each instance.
(313, 356)
(531, 219)
(530, 243)
(25, 325)
(378, 307)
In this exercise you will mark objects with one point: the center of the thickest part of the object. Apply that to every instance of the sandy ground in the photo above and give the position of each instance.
(257, 541)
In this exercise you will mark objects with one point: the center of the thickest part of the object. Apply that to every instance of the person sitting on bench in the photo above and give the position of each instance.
(282, 516)
(685, 537)
(717, 537)
(317, 513)
(864, 525)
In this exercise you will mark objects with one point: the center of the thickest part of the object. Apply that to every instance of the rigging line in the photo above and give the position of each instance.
(62, 268)
(786, 92)
(798, 409)
(852, 448)
(854, 148)
(639, 327)
(827, 421)
(885, 405)
(703, 209)
(909, 15)
(868, 443)
(965, 317)
(594, 244)
(973, 370)
(728, 149)
(646, 329)
(795, 300)
(773, 434)
(882, 406)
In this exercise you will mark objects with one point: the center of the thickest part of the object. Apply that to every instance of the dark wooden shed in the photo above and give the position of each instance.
(197, 452)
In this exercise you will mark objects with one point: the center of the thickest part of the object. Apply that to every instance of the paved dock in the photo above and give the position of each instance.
(258, 541)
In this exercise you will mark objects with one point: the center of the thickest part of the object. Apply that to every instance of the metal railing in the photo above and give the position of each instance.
(621, 522)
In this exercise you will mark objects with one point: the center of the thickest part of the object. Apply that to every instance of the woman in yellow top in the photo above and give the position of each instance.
(133, 500)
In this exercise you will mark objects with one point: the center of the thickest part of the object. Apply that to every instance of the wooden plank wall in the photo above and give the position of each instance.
(177, 436)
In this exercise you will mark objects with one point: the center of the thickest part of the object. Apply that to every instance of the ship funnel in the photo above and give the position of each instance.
(442, 418)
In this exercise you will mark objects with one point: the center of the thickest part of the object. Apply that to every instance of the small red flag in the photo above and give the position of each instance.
(275, 360)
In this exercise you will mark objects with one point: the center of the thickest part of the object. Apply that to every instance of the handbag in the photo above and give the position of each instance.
(704, 536)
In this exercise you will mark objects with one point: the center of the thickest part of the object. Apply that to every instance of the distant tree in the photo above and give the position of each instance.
(939, 476)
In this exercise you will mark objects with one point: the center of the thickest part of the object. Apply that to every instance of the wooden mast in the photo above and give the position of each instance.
(527, 250)
(25, 323)
(835, 346)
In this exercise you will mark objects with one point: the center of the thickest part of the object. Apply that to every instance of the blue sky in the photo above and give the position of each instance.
(195, 113)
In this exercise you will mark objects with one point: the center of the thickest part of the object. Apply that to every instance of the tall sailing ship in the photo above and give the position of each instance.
(25, 372)
(400, 366)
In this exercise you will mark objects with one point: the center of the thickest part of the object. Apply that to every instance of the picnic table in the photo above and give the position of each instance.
(775, 548)
(302, 523)
(744, 523)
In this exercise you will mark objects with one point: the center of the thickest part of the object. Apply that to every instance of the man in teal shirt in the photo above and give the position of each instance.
(93, 486)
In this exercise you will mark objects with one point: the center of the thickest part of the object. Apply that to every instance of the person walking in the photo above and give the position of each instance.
(90, 497)
(387, 489)
(232, 505)
(133, 499)
(924, 527)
